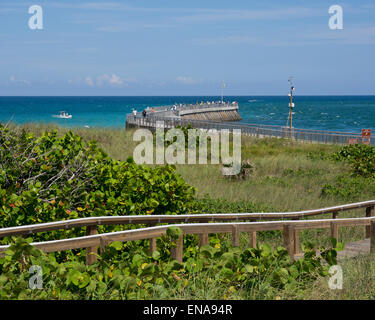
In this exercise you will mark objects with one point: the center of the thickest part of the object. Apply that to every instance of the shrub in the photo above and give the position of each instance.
(360, 157)
(127, 274)
(349, 188)
(211, 205)
(247, 169)
(49, 178)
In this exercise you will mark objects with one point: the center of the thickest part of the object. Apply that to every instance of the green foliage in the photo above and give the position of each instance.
(174, 232)
(362, 179)
(211, 205)
(348, 187)
(200, 134)
(126, 272)
(360, 157)
(48, 178)
(318, 155)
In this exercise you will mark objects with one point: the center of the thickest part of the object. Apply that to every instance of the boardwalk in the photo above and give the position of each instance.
(291, 224)
(351, 250)
(355, 249)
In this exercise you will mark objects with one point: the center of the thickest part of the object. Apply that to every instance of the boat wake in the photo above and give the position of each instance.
(62, 115)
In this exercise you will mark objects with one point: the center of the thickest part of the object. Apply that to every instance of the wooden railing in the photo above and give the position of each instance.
(290, 227)
(255, 130)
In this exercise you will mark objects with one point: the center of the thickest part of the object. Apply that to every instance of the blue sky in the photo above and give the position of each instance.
(164, 47)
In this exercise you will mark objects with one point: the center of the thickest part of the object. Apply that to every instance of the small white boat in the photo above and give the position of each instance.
(63, 115)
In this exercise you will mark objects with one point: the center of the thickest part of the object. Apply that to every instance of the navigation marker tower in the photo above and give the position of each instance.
(291, 104)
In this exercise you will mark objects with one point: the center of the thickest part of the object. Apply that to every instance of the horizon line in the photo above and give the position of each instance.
(238, 95)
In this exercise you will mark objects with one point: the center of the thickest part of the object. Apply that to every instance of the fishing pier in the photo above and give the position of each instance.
(219, 116)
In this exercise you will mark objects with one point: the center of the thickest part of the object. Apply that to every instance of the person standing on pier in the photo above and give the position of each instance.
(144, 113)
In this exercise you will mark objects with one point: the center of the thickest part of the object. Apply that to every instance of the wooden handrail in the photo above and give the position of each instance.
(154, 219)
(290, 228)
(202, 228)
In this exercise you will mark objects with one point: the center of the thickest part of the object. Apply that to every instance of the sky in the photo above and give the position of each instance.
(173, 47)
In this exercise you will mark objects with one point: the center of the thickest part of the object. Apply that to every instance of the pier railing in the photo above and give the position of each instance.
(291, 223)
(191, 106)
(254, 130)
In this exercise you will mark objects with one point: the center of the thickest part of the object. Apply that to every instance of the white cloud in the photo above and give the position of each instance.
(105, 79)
(228, 40)
(114, 6)
(129, 26)
(174, 17)
(89, 81)
(13, 80)
(353, 35)
(115, 80)
(230, 14)
(186, 80)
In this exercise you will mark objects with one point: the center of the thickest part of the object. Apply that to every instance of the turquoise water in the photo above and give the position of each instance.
(338, 113)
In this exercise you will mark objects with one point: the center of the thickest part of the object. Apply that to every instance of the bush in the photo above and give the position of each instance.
(247, 169)
(127, 274)
(360, 157)
(362, 179)
(49, 178)
(349, 188)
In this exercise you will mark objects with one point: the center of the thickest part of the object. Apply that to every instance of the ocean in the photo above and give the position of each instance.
(336, 113)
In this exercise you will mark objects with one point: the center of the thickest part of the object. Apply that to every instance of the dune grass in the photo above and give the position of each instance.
(358, 282)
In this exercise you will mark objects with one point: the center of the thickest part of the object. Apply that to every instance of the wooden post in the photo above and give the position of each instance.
(152, 245)
(203, 239)
(152, 242)
(372, 237)
(253, 236)
(296, 240)
(253, 239)
(91, 251)
(369, 213)
(334, 231)
(235, 237)
(288, 237)
(334, 227)
(177, 251)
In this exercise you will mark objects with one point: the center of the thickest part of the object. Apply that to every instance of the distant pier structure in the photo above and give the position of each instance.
(208, 111)
(223, 116)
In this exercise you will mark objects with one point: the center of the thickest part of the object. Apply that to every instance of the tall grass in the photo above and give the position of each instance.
(358, 282)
